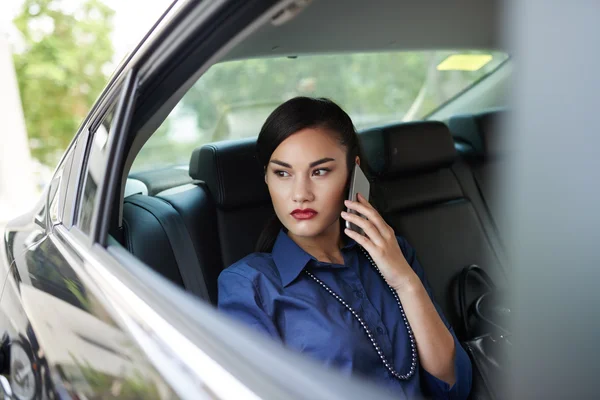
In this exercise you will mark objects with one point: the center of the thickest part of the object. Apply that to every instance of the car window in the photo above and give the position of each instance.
(233, 99)
(95, 168)
(54, 196)
(57, 188)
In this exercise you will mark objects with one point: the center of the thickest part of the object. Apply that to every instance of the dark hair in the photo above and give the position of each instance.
(290, 117)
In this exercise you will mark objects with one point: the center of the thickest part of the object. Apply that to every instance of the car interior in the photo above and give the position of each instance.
(432, 178)
(428, 191)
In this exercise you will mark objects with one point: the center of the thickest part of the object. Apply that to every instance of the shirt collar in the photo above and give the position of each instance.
(290, 259)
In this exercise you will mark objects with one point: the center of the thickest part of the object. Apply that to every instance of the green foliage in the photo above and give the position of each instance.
(232, 99)
(367, 84)
(60, 69)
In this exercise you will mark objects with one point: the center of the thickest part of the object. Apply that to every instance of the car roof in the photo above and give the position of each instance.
(334, 26)
(339, 26)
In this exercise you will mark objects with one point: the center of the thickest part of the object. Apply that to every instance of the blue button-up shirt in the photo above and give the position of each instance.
(269, 292)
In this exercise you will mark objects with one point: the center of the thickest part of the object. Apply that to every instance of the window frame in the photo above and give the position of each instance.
(119, 101)
(65, 181)
(107, 99)
(91, 136)
(57, 191)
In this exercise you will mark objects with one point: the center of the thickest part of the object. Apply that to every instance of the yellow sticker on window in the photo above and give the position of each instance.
(464, 62)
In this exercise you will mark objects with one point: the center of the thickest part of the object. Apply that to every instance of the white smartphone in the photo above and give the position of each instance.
(358, 184)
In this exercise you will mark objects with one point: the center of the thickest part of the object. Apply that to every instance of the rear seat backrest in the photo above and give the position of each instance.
(418, 194)
(146, 239)
(191, 208)
(236, 183)
(222, 214)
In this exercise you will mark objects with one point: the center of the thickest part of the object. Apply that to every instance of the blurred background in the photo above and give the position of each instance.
(55, 58)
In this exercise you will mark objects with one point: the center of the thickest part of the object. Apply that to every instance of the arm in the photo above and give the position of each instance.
(240, 297)
(435, 343)
(460, 363)
(440, 354)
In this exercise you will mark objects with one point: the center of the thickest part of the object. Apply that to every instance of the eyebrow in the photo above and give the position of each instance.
(311, 165)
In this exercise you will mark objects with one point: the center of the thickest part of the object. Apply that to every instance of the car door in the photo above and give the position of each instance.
(193, 345)
(82, 316)
(59, 330)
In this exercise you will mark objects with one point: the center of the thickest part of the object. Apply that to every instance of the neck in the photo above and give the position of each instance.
(325, 246)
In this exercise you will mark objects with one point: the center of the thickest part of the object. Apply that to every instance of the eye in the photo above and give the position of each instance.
(281, 173)
(321, 171)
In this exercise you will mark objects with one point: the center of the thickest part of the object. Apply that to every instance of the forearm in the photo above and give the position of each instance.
(435, 343)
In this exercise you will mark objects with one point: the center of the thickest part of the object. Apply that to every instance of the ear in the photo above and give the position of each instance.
(357, 160)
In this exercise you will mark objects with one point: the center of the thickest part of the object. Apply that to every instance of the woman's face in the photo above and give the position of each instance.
(307, 176)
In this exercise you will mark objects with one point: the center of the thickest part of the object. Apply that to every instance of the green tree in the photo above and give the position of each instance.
(60, 69)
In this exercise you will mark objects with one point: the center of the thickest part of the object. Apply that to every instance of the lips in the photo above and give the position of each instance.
(304, 214)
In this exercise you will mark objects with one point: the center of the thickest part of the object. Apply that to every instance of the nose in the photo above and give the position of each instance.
(302, 190)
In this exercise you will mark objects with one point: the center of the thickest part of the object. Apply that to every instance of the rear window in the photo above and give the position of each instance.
(233, 99)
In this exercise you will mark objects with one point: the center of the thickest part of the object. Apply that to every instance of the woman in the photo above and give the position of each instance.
(312, 283)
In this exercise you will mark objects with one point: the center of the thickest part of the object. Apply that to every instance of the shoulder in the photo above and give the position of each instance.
(254, 267)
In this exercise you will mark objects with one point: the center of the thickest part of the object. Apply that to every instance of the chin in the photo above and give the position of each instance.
(310, 228)
(306, 233)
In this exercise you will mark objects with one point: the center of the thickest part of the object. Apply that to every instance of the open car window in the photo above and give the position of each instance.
(233, 99)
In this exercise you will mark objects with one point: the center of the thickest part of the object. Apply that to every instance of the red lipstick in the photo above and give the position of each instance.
(302, 214)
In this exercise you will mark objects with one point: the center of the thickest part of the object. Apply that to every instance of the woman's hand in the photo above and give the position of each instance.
(380, 241)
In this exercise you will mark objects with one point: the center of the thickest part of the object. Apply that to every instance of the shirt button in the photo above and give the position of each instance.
(379, 330)
(359, 294)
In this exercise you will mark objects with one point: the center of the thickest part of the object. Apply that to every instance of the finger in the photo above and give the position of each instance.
(370, 230)
(372, 215)
(360, 239)
(363, 200)
(361, 208)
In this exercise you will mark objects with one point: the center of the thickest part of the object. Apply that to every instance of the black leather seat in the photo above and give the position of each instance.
(145, 237)
(420, 196)
(175, 234)
(415, 187)
(235, 181)
(189, 233)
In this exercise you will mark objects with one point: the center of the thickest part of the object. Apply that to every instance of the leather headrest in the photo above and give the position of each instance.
(489, 126)
(480, 132)
(409, 148)
(231, 172)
